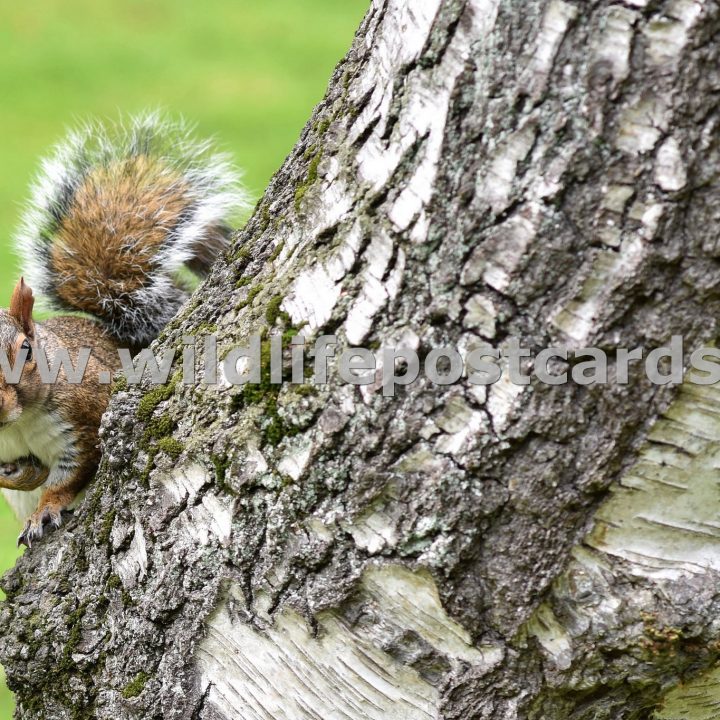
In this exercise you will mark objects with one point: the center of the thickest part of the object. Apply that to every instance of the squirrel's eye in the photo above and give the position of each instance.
(26, 346)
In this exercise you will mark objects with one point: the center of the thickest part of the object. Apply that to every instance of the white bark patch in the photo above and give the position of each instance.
(426, 113)
(319, 529)
(455, 416)
(360, 317)
(648, 213)
(510, 242)
(184, 483)
(419, 231)
(57, 559)
(312, 297)
(374, 293)
(502, 400)
(373, 531)
(209, 519)
(651, 219)
(697, 699)
(395, 278)
(608, 223)
(642, 125)
(410, 600)
(670, 172)
(662, 522)
(336, 204)
(550, 181)
(615, 39)
(429, 430)
(296, 460)
(223, 383)
(398, 42)
(255, 463)
(663, 516)
(480, 315)
(610, 269)
(132, 567)
(667, 35)
(285, 672)
(409, 203)
(378, 255)
(552, 636)
(338, 265)
(496, 185)
(553, 27)
(460, 424)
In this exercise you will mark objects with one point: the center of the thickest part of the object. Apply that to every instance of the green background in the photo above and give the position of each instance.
(246, 71)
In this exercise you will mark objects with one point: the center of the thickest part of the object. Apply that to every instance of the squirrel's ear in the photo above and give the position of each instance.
(21, 306)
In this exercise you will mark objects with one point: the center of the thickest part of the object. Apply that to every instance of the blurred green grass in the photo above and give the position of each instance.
(246, 72)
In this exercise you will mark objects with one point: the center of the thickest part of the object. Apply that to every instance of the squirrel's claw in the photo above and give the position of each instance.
(28, 534)
(35, 526)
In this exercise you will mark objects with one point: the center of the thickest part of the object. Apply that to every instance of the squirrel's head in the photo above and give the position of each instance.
(20, 385)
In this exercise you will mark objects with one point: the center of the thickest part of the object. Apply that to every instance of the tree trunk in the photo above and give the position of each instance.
(478, 171)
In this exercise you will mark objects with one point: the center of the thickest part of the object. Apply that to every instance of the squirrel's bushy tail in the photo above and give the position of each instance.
(117, 212)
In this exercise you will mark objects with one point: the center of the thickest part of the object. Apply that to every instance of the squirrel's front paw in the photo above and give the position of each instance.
(35, 527)
(10, 470)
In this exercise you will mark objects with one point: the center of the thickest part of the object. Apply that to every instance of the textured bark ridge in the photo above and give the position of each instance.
(479, 170)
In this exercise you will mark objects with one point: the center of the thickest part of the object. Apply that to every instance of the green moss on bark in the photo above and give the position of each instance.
(136, 686)
(151, 399)
(171, 446)
(310, 179)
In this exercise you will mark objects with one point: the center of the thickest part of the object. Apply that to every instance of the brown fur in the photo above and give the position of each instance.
(80, 406)
(19, 329)
(137, 201)
(14, 397)
(83, 405)
(106, 235)
(21, 307)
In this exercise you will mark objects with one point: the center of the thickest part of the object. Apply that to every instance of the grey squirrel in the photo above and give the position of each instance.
(116, 212)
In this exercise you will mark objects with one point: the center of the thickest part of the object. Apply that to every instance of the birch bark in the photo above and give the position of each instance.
(479, 170)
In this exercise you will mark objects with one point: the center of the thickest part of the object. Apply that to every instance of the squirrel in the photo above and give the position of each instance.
(116, 213)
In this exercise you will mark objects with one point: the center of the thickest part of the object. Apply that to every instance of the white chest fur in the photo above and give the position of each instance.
(37, 433)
